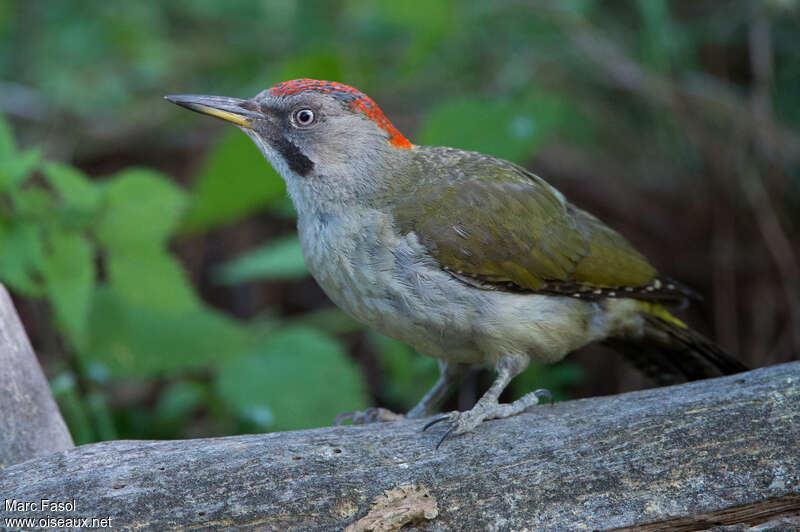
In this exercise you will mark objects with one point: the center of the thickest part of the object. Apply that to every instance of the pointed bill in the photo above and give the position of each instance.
(228, 109)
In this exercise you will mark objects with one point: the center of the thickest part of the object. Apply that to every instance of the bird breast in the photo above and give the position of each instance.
(389, 282)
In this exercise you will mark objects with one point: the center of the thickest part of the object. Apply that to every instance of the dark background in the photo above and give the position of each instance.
(152, 254)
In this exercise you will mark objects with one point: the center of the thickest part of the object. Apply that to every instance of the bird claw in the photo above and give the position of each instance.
(436, 420)
(542, 392)
(447, 433)
(370, 415)
(463, 422)
(451, 418)
(454, 419)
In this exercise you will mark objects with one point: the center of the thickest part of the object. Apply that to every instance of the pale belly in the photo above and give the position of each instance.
(389, 283)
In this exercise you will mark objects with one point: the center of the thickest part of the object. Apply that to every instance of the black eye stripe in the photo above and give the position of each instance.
(296, 159)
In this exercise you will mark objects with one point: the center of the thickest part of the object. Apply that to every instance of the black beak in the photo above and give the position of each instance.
(228, 109)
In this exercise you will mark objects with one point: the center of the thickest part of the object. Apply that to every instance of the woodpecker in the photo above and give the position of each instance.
(470, 259)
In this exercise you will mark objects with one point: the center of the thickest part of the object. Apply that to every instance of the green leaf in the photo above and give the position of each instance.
(21, 258)
(283, 207)
(68, 271)
(135, 340)
(508, 129)
(235, 181)
(179, 400)
(74, 188)
(152, 279)
(299, 378)
(280, 259)
(142, 208)
(33, 203)
(15, 167)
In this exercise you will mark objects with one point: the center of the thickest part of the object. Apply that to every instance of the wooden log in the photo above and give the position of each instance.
(30, 422)
(689, 457)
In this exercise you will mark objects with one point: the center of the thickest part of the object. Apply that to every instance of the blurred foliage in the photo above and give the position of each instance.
(277, 260)
(141, 316)
(512, 128)
(180, 306)
(233, 183)
(264, 384)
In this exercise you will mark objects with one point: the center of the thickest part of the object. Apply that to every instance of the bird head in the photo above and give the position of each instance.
(318, 135)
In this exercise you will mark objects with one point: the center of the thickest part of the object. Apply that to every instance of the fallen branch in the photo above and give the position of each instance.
(721, 451)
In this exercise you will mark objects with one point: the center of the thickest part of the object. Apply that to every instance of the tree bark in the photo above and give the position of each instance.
(30, 422)
(689, 457)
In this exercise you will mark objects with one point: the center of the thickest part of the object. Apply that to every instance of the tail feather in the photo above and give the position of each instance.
(670, 352)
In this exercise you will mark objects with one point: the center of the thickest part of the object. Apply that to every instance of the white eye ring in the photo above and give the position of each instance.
(304, 117)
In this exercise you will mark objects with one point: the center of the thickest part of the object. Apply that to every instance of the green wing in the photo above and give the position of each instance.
(506, 228)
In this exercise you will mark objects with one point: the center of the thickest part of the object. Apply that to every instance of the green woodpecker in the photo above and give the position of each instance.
(468, 258)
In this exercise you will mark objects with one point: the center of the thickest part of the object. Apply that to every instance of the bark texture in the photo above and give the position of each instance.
(30, 422)
(722, 452)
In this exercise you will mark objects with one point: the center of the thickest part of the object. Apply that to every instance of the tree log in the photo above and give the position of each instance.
(30, 422)
(688, 457)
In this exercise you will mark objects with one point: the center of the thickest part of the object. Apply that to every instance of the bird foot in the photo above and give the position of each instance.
(463, 422)
(370, 415)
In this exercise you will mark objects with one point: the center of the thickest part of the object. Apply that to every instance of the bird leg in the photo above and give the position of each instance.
(450, 374)
(488, 406)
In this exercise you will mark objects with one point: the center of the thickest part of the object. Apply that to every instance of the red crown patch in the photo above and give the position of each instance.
(349, 95)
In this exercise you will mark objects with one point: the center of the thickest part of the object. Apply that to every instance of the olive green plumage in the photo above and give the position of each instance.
(499, 225)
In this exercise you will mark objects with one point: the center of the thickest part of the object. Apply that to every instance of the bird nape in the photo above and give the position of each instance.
(470, 259)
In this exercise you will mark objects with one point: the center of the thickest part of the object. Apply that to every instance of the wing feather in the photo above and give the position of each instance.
(505, 228)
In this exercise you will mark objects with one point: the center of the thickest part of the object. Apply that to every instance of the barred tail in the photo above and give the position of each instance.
(669, 351)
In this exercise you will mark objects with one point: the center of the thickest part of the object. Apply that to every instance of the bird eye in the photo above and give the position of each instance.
(304, 117)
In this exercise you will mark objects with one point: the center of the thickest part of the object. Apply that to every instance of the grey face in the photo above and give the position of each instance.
(306, 134)
(335, 137)
(300, 127)
(287, 129)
